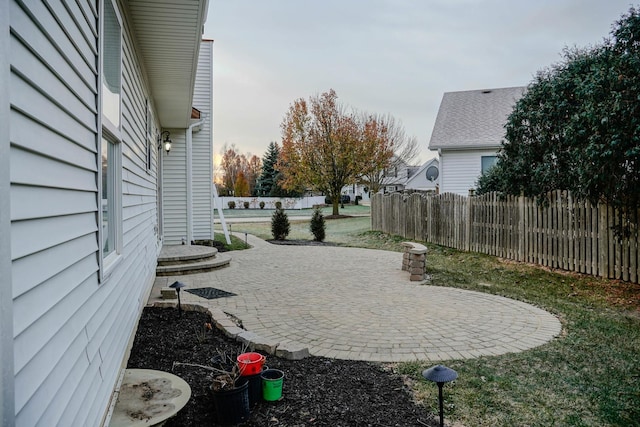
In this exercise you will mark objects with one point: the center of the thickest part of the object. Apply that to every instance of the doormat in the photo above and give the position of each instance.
(210, 293)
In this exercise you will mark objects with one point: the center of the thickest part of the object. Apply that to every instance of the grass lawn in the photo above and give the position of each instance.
(588, 376)
(266, 213)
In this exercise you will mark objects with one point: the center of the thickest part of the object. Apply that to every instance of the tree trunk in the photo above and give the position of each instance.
(335, 201)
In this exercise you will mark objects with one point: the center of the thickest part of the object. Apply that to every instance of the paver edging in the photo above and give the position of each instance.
(289, 350)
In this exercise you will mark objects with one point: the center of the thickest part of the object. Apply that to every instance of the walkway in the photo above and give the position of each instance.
(350, 303)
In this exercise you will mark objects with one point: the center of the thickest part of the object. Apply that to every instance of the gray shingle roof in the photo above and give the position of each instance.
(474, 118)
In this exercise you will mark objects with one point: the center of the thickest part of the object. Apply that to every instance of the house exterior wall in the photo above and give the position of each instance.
(187, 175)
(460, 169)
(174, 189)
(6, 298)
(202, 150)
(71, 329)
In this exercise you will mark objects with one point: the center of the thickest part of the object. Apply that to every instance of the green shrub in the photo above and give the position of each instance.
(317, 225)
(278, 204)
(279, 225)
(261, 205)
(231, 204)
(246, 205)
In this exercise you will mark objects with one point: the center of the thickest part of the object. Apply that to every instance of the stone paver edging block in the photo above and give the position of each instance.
(351, 303)
(254, 342)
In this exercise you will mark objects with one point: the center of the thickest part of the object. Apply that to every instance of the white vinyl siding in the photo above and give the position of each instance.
(460, 169)
(70, 332)
(203, 146)
(6, 298)
(174, 185)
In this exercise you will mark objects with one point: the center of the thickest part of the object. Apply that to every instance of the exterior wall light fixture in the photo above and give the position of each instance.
(165, 141)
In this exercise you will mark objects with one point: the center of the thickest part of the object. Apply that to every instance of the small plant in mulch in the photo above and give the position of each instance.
(278, 205)
(231, 204)
(246, 205)
(202, 332)
(261, 205)
(280, 224)
(317, 225)
(225, 371)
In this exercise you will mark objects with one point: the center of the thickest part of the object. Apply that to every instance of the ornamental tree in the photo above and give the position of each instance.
(326, 147)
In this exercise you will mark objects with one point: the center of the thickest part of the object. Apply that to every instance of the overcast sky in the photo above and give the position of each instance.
(382, 56)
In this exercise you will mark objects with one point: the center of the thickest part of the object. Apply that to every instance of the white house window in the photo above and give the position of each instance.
(111, 65)
(110, 143)
(110, 196)
(488, 162)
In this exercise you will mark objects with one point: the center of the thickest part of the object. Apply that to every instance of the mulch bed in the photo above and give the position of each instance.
(317, 391)
(299, 242)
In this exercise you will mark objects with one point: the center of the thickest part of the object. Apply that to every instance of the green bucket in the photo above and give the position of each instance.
(272, 384)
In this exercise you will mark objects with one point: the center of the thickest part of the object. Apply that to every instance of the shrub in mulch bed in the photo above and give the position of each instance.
(317, 391)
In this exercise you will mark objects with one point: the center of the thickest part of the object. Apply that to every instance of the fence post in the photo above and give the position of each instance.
(521, 229)
(467, 240)
(603, 244)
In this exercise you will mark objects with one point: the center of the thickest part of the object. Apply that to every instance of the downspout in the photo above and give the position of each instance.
(189, 138)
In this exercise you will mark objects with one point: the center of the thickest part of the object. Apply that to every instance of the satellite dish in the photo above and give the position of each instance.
(432, 173)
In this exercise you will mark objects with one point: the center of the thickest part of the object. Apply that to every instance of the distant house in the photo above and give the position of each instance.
(89, 93)
(468, 133)
(398, 177)
(425, 178)
(395, 176)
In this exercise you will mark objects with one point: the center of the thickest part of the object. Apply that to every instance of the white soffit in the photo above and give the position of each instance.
(168, 34)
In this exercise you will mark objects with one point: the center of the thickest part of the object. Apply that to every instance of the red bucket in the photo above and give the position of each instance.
(250, 363)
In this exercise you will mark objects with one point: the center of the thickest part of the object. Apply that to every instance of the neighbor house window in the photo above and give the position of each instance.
(488, 162)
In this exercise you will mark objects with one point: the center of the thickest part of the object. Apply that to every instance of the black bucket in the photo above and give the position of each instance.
(255, 388)
(232, 406)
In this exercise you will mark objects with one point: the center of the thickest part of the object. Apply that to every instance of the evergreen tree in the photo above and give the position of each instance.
(577, 127)
(317, 225)
(279, 224)
(268, 178)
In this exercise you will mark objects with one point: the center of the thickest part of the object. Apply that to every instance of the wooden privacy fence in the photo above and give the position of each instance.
(568, 234)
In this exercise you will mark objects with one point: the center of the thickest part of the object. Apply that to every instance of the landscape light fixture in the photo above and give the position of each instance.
(177, 286)
(164, 140)
(440, 374)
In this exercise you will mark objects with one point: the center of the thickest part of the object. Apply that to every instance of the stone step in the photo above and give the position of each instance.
(193, 267)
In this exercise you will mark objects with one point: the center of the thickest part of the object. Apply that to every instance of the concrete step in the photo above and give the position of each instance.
(182, 254)
(194, 266)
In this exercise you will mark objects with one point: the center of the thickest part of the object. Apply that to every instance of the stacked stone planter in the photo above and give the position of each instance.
(414, 260)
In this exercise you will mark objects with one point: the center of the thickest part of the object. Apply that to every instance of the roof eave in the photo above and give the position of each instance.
(168, 35)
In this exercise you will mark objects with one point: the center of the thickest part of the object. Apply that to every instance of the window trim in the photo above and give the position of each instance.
(107, 130)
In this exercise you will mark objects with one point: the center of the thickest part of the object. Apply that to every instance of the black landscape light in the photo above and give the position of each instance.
(177, 286)
(440, 374)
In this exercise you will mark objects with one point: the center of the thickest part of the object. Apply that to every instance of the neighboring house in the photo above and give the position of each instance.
(87, 89)
(468, 133)
(397, 178)
(425, 178)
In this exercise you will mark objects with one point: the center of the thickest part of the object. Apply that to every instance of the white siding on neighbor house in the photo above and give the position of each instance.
(460, 169)
(202, 147)
(174, 189)
(70, 331)
(419, 181)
